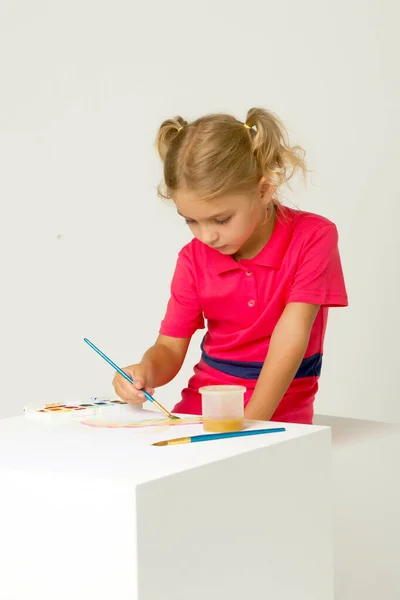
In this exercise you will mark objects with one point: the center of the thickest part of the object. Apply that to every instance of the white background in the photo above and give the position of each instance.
(87, 249)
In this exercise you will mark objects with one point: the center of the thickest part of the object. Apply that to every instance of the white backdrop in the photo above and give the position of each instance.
(87, 249)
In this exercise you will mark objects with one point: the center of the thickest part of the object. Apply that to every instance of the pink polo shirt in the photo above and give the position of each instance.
(243, 301)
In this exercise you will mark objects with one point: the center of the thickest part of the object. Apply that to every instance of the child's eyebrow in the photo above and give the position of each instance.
(216, 216)
(183, 216)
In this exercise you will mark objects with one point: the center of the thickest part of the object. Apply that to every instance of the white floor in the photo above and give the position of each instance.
(366, 462)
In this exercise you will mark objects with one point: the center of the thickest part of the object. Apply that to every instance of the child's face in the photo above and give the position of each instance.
(225, 223)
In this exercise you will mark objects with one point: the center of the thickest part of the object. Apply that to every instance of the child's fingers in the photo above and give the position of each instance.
(132, 393)
(150, 391)
(125, 390)
(135, 401)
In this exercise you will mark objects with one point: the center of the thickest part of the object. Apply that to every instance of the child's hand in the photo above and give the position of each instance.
(129, 392)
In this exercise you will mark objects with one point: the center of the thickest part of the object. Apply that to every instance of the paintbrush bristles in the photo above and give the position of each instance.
(164, 410)
(173, 442)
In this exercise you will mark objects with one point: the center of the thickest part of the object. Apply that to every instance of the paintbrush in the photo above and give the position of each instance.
(121, 372)
(217, 436)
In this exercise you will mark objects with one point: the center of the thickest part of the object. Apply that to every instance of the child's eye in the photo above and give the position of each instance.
(222, 221)
(189, 222)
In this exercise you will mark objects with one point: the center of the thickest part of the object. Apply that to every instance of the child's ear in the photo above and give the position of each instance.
(266, 190)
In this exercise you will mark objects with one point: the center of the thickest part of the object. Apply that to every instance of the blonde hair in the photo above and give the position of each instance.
(217, 154)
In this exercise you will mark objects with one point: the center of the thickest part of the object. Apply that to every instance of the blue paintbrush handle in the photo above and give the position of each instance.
(116, 367)
(231, 434)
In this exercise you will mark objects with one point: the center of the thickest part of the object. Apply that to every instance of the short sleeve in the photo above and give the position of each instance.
(319, 277)
(184, 314)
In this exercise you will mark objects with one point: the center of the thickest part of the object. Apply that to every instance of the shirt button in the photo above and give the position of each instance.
(249, 273)
(251, 303)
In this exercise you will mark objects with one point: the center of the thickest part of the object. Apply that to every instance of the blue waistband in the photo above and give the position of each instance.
(310, 366)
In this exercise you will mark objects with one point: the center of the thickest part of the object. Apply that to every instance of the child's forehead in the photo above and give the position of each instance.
(191, 204)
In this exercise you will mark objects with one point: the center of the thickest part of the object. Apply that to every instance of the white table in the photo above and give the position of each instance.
(98, 514)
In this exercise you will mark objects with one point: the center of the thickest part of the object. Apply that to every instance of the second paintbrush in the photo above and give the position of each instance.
(218, 436)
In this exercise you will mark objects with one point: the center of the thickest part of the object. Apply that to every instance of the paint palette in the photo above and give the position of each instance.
(57, 412)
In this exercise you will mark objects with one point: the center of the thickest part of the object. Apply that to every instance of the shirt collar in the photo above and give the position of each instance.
(271, 255)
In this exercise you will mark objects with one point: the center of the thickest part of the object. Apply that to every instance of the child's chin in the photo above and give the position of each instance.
(225, 250)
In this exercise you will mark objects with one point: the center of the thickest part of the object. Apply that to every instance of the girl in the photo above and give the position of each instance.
(262, 275)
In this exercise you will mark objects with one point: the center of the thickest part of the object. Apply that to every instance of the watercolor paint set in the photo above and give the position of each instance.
(60, 412)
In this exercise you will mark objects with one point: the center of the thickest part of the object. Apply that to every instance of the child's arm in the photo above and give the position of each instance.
(288, 345)
(159, 365)
(163, 361)
(318, 282)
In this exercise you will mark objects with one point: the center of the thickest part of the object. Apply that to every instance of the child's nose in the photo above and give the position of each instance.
(209, 237)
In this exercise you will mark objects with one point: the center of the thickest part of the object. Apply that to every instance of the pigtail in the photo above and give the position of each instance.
(168, 132)
(277, 159)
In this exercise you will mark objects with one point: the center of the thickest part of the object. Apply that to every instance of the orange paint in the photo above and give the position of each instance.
(223, 425)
